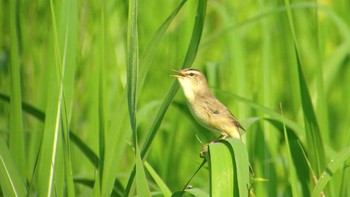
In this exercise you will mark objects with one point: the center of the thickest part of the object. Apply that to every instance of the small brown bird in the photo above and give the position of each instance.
(205, 108)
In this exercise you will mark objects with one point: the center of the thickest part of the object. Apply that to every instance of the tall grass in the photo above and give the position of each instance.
(87, 106)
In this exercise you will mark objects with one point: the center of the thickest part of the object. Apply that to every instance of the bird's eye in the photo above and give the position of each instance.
(191, 74)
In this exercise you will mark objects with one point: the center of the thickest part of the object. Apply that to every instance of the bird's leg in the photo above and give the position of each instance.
(205, 146)
(221, 137)
(204, 150)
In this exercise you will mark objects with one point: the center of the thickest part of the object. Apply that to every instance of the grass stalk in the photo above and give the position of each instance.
(16, 135)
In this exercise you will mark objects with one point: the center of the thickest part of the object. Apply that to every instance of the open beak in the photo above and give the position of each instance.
(178, 75)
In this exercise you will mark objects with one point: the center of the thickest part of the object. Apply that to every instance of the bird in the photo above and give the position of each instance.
(207, 110)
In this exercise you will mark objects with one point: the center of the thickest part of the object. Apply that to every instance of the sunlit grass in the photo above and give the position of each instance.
(87, 105)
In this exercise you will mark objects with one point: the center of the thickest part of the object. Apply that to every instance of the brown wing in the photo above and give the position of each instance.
(215, 109)
(236, 122)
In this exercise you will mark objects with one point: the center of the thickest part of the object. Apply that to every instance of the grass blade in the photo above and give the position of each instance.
(132, 66)
(191, 53)
(50, 138)
(331, 168)
(132, 76)
(87, 151)
(56, 129)
(229, 168)
(101, 102)
(223, 181)
(268, 111)
(196, 34)
(240, 154)
(141, 180)
(194, 192)
(11, 181)
(83, 147)
(292, 171)
(162, 186)
(16, 135)
(68, 33)
(146, 59)
(313, 133)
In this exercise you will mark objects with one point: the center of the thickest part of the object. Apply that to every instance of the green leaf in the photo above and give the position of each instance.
(146, 62)
(313, 134)
(141, 180)
(223, 181)
(87, 151)
(162, 186)
(82, 146)
(132, 65)
(298, 157)
(16, 134)
(54, 159)
(150, 52)
(191, 53)
(292, 171)
(132, 77)
(68, 33)
(194, 192)
(11, 181)
(229, 168)
(196, 34)
(240, 154)
(273, 115)
(328, 173)
(101, 103)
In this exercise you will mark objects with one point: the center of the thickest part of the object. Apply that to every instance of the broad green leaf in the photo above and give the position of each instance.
(229, 168)
(197, 192)
(194, 192)
(240, 154)
(223, 181)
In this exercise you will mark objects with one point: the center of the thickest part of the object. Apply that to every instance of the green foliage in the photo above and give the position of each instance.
(16, 138)
(229, 169)
(87, 106)
(11, 181)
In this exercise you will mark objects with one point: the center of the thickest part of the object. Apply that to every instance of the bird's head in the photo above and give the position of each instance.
(192, 81)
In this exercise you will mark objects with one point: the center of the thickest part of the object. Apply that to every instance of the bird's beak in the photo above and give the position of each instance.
(178, 75)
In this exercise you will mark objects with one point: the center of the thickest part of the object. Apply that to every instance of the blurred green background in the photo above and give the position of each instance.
(69, 60)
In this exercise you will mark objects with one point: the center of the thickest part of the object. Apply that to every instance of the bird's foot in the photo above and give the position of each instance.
(204, 150)
(205, 146)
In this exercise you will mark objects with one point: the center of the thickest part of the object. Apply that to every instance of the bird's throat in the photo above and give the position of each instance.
(189, 94)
